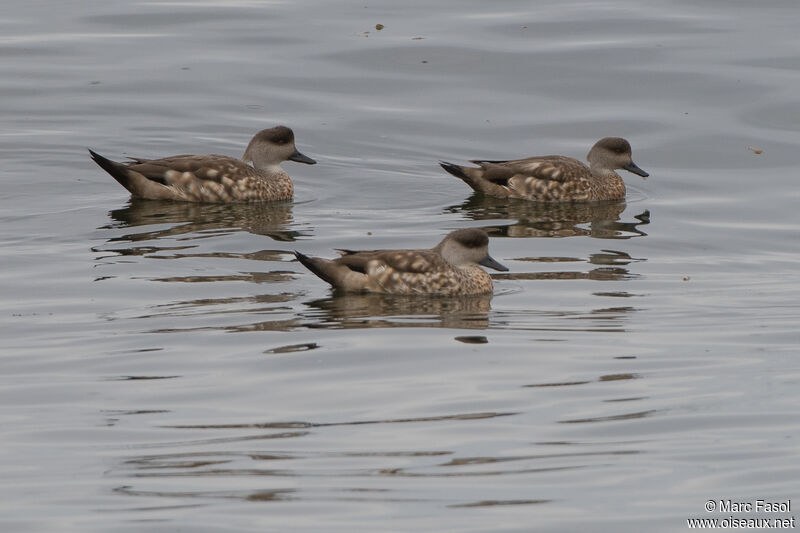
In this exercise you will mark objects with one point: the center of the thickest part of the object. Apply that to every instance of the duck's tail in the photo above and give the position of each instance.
(136, 183)
(474, 178)
(118, 171)
(339, 276)
(455, 170)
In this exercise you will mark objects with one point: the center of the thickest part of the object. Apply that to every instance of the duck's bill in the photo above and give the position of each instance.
(631, 167)
(301, 158)
(489, 262)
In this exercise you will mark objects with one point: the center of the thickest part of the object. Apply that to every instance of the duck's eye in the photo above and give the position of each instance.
(279, 140)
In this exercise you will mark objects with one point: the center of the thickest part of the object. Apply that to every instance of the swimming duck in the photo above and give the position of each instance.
(449, 268)
(554, 178)
(214, 178)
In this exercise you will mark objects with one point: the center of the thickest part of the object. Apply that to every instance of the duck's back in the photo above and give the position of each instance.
(214, 178)
(414, 272)
(550, 178)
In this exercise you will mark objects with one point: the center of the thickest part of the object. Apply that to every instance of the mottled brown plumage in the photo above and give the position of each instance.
(450, 268)
(214, 178)
(554, 178)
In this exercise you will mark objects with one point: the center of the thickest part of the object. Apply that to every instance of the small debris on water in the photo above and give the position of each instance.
(379, 27)
(417, 38)
(686, 278)
(755, 150)
(472, 339)
(294, 348)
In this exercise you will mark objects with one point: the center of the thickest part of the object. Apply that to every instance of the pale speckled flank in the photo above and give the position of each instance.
(554, 178)
(448, 281)
(214, 178)
(449, 269)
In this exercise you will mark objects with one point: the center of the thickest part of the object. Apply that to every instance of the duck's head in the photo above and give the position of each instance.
(273, 146)
(468, 247)
(611, 153)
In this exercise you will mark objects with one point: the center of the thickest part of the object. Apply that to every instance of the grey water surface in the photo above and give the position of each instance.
(170, 367)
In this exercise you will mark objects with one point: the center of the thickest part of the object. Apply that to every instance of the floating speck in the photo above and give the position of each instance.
(686, 278)
(294, 348)
(755, 150)
(379, 27)
(472, 339)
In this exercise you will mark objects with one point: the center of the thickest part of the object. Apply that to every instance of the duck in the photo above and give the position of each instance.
(451, 268)
(554, 178)
(214, 178)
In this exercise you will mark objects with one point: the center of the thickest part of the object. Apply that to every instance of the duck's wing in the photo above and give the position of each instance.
(548, 167)
(399, 261)
(545, 178)
(400, 271)
(176, 170)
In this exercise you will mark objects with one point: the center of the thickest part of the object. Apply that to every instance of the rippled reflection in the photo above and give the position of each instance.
(607, 319)
(261, 450)
(284, 310)
(610, 263)
(600, 219)
(223, 311)
(606, 377)
(352, 311)
(279, 466)
(306, 425)
(493, 503)
(272, 219)
(384, 311)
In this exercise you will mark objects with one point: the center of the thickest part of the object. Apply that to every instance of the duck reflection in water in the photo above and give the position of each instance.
(351, 311)
(356, 311)
(532, 219)
(610, 267)
(188, 218)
